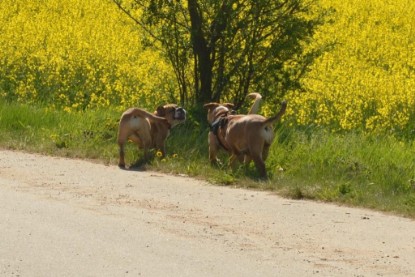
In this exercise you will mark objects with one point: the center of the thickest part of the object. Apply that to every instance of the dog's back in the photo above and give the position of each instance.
(245, 130)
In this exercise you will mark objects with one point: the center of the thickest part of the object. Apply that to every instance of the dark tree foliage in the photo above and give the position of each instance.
(222, 50)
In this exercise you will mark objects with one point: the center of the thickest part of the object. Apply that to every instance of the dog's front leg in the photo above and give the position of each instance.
(247, 159)
(213, 148)
(233, 160)
(147, 155)
(159, 144)
(163, 150)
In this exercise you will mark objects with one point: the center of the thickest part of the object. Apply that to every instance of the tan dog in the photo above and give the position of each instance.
(248, 137)
(148, 130)
(216, 112)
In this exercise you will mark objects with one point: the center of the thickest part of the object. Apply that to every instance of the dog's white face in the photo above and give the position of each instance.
(173, 113)
(179, 116)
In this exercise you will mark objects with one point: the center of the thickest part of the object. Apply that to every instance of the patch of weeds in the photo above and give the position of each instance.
(297, 193)
(60, 141)
(410, 202)
(225, 179)
(344, 189)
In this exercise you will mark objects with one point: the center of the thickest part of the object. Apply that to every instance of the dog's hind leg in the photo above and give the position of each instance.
(122, 137)
(257, 150)
(265, 151)
(260, 165)
(121, 162)
(122, 140)
(145, 143)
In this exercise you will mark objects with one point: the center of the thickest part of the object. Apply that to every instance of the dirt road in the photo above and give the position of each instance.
(62, 217)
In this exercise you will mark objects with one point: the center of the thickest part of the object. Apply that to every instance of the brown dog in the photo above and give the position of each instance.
(247, 137)
(250, 136)
(216, 112)
(148, 130)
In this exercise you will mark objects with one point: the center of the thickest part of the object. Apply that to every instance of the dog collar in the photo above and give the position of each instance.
(214, 128)
(218, 123)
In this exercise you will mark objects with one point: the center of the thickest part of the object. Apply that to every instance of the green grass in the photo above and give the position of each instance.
(82, 135)
(354, 169)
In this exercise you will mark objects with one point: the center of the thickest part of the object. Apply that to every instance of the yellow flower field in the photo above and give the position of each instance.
(75, 55)
(367, 81)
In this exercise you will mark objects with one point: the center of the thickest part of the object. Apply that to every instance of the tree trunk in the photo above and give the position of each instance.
(202, 53)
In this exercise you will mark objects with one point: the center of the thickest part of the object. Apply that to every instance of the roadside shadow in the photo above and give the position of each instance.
(138, 165)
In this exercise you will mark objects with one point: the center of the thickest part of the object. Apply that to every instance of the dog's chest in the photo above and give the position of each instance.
(159, 132)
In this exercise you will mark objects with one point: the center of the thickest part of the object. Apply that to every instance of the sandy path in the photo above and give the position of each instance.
(62, 217)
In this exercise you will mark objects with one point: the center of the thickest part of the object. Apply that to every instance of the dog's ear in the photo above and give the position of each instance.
(161, 111)
(211, 105)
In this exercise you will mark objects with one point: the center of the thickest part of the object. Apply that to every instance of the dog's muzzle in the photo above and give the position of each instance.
(180, 114)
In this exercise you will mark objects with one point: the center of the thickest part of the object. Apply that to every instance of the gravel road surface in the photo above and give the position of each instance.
(65, 217)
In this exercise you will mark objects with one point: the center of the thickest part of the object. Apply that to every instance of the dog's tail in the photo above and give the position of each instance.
(137, 112)
(255, 107)
(272, 120)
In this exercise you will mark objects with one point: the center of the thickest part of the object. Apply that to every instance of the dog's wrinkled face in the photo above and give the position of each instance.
(216, 110)
(173, 113)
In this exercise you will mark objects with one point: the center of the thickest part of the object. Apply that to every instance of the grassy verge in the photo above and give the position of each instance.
(376, 172)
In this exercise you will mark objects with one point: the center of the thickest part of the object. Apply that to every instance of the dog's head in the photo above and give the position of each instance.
(216, 110)
(172, 113)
